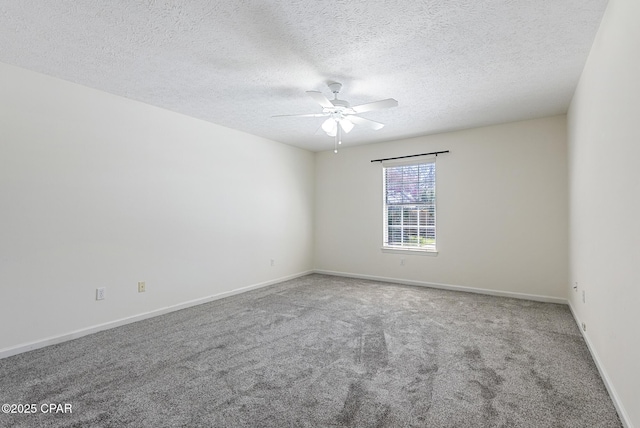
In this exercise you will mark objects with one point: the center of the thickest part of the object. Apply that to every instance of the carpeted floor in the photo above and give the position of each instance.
(322, 351)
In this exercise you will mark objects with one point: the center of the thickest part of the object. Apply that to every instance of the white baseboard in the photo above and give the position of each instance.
(535, 297)
(624, 417)
(8, 352)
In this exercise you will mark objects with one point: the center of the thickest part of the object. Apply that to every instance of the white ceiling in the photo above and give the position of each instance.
(450, 64)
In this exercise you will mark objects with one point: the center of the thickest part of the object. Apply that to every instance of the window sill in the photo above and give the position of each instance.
(416, 251)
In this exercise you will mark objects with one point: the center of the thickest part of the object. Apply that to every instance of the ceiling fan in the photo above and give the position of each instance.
(341, 117)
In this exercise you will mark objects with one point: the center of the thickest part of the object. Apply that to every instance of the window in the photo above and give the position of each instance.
(410, 205)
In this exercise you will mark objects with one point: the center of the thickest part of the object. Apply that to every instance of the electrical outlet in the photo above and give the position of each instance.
(273, 262)
(584, 327)
(101, 293)
(401, 262)
(142, 286)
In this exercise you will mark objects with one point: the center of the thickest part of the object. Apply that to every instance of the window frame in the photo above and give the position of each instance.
(405, 248)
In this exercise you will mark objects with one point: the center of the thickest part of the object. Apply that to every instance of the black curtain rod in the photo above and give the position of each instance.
(410, 156)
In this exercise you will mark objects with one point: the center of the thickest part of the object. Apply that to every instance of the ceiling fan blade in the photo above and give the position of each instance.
(377, 105)
(301, 115)
(365, 122)
(320, 99)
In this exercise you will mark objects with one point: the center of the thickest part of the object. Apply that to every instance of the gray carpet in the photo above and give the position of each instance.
(322, 351)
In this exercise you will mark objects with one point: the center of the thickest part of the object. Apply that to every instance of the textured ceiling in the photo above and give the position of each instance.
(450, 64)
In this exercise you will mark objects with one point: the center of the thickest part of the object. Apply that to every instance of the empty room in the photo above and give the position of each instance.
(320, 213)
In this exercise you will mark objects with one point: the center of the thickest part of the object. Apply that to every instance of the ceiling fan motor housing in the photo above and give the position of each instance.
(340, 103)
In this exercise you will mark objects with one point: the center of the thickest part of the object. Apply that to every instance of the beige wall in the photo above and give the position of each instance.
(502, 210)
(101, 191)
(604, 150)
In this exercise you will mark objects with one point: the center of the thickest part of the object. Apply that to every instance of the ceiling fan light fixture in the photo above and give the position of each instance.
(330, 127)
(346, 125)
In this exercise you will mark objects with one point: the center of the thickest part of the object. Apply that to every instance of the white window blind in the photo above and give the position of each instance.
(410, 204)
